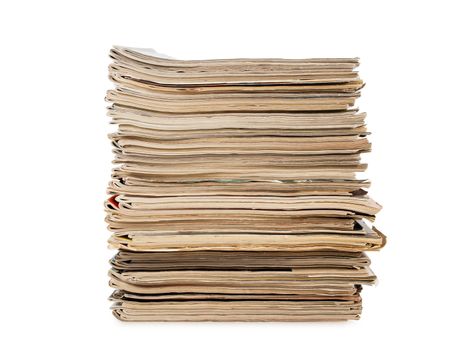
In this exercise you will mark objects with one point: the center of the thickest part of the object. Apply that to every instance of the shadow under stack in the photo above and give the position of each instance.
(236, 196)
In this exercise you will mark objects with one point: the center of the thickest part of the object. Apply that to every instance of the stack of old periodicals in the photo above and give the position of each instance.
(236, 196)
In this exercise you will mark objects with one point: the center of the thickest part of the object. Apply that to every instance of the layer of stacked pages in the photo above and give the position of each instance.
(237, 193)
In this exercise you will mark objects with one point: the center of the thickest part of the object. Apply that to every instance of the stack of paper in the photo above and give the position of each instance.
(236, 196)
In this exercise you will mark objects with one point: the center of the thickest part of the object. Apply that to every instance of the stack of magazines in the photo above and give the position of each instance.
(238, 193)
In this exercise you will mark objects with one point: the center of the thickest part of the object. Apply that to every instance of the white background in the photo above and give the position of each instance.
(55, 162)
